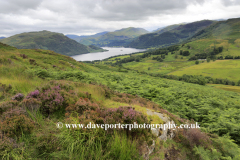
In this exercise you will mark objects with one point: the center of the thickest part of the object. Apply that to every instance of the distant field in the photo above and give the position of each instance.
(153, 66)
(229, 69)
(114, 59)
(226, 87)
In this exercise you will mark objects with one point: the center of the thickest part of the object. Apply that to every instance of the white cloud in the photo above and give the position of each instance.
(92, 16)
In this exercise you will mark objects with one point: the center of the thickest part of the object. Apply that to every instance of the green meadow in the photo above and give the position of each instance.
(218, 69)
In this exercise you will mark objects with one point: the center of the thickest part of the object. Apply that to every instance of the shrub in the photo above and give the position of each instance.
(238, 83)
(193, 137)
(5, 88)
(46, 144)
(18, 97)
(15, 122)
(31, 104)
(23, 56)
(32, 61)
(8, 105)
(198, 138)
(51, 99)
(125, 115)
(82, 105)
(208, 59)
(43, 73)
(185, 53)
(7, 145)
(33, 94)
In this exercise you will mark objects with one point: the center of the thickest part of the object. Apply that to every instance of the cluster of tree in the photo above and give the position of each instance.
(173, 48)
(161, 51)
(159, 58)
(196, 79)
(201, 80)
(228, 57)
(211, 55)
(184, 53)
(199, 56)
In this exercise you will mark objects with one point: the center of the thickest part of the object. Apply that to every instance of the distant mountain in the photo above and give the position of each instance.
(117, 38)
(168, 28)
(220, 19)
(2, 37)
(47, 40)
(79, 38)
(158, 29)
(72, 36)
(169, 35)
(228, 29)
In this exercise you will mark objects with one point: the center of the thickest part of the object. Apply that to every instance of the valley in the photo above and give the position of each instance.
(183, 74)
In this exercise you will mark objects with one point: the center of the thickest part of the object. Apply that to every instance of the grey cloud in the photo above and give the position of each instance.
(85, 16)
(231, 2)
(137, 9)
(16, 6)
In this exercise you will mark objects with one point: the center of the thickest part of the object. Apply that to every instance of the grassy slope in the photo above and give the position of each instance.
(47, 40)
(170, 37)
(217, 69)
(187, 100)
(220, 34)
(228, 29)
(168, 28)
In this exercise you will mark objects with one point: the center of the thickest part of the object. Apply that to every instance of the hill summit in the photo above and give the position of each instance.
(56, 42)
(116, 38)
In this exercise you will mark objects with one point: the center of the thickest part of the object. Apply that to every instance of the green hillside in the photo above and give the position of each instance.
(78, 38)
(117, 38)
(40, 88)
(56, 42)
(195, 59)
(168, 28)
(169, 36)
(228, 29)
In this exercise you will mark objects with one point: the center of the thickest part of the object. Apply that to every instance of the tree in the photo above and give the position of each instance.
(181, 52)
(208, 59)
(185, 53)
(197, 62)
(238, 83)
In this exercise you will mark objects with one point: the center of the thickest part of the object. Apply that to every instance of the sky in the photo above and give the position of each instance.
(87, 17)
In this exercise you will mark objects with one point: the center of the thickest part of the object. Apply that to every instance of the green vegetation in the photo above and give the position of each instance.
(168, 28)
(186, 61)
(51, 41)
(31, 80)
(169, 37)
(217, 69)
(228, 29)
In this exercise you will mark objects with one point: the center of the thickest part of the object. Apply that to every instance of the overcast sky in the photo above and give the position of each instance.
(84, 17)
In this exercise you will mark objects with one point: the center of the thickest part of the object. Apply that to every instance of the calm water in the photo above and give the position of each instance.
(103, 55)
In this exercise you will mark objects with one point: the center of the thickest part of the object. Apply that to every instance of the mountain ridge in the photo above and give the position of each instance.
(47, 40)
(116, 38)
(169, 37)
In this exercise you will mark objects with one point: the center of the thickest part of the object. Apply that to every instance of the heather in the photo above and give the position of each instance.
(40, 88)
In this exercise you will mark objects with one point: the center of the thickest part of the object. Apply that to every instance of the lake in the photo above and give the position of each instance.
(112, 51)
